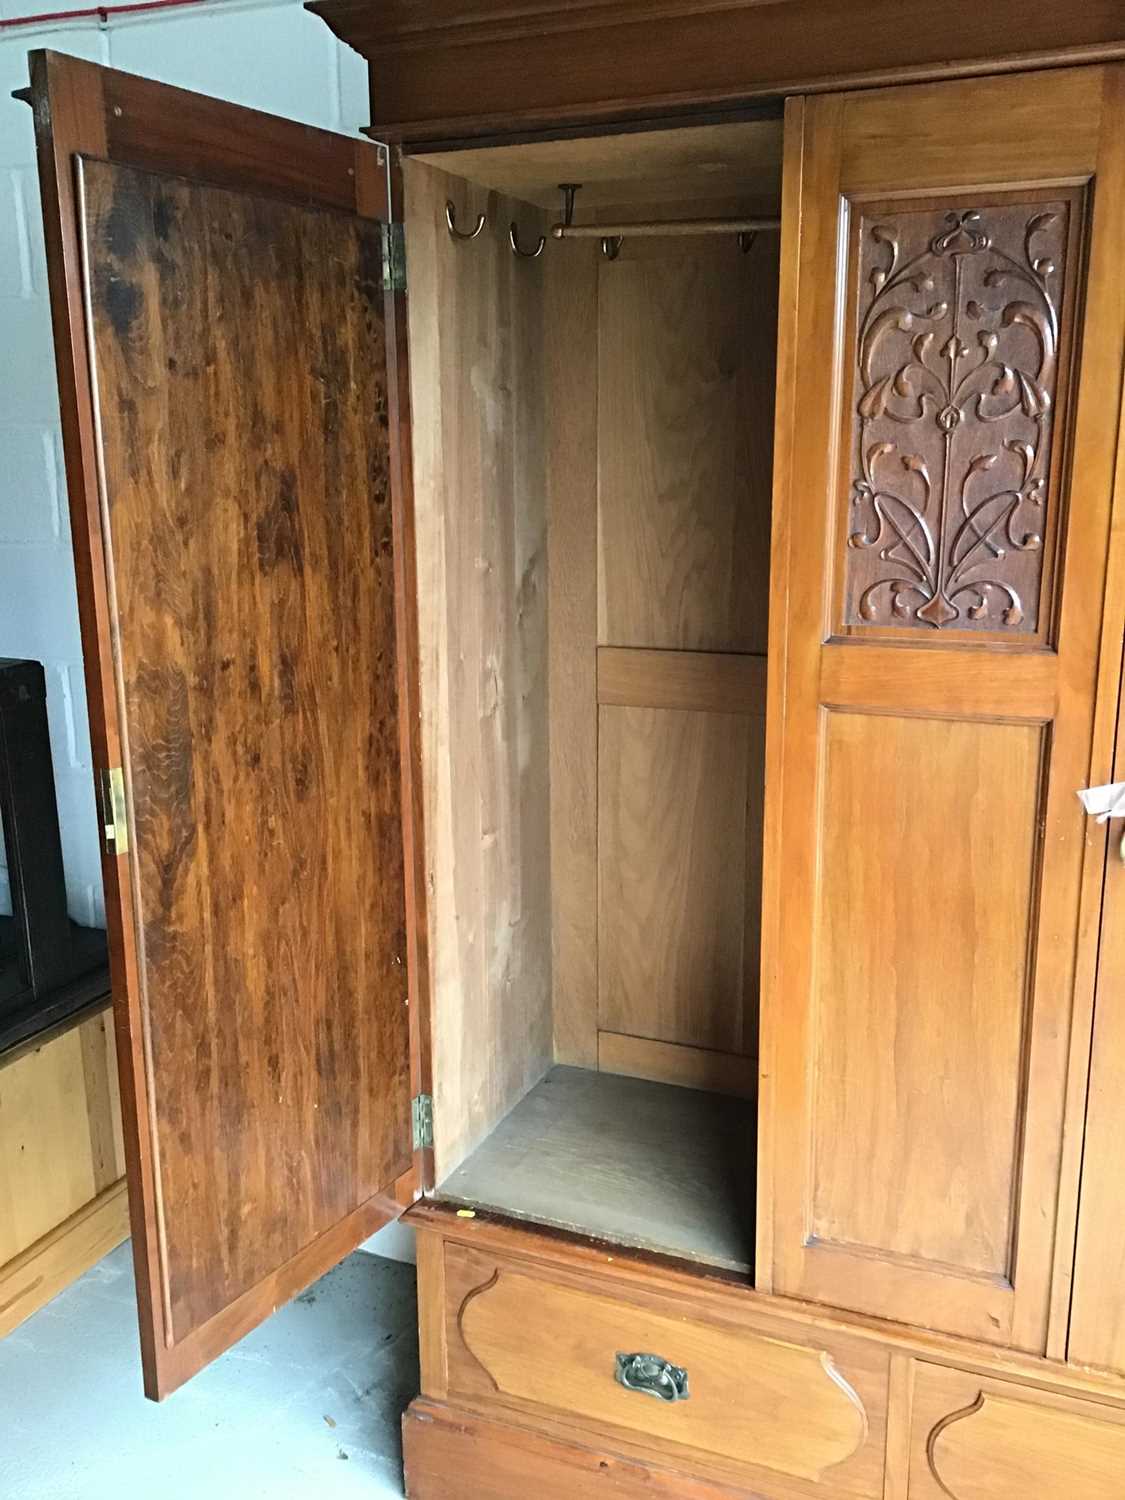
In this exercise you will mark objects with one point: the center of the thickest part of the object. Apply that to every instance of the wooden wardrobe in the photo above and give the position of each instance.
(590, 714)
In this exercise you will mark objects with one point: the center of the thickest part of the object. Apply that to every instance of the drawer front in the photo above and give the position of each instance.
(772, 1403)
(978, 1439)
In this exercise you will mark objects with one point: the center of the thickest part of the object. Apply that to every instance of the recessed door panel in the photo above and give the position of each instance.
(926, 898)
(951, 366)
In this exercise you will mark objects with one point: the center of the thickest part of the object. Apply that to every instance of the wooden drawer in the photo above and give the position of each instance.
(974, 1438)
(771, 1404)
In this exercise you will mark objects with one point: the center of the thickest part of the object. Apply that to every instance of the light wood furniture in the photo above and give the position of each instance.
(62, 1165)
(553, 691)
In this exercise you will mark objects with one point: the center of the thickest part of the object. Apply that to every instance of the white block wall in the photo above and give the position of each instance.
(272, 55)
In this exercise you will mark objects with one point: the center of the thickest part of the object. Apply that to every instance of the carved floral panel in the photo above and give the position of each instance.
(961, 319)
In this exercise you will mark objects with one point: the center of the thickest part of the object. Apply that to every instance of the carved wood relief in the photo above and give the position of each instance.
(962, 317)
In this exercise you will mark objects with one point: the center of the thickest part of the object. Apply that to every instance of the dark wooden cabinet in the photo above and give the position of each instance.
(51, 968)
(600, 727)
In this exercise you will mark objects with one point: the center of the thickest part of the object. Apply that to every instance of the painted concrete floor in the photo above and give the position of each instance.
(306, 1407)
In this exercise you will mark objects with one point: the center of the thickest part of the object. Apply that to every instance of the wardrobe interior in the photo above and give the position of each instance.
(593, 439)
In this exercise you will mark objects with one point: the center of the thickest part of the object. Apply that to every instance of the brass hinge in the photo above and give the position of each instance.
(422, 1119)
(394, 258)
(115, 822)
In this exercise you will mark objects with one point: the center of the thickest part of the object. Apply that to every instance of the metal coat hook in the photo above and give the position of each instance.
(514, 241)
(451, 223)
(746, 238)
(611, 245)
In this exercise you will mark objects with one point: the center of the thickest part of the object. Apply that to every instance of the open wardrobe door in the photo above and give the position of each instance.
(223, 286)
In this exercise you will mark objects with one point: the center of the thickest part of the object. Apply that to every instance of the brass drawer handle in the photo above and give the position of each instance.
(652, 1376)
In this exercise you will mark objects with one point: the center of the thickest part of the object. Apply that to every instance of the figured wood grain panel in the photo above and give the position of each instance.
(673, 792)
(103, 1099)
(685, 413)
(997, 976)
(249, 525)
(477, 385)
(975, 1438)
(920, 1038)
(780, 1406)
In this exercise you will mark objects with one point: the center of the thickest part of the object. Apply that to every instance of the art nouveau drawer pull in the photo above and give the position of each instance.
(652, 1376)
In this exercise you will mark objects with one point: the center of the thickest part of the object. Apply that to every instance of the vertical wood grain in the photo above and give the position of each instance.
(572, 334)
(379, 195)
(432, 1345)
(685, 377)
(1097, 1309)
(86, 112)
(920, 1037)
(476, 333)
(60, 1133)
(772, 1025)
(271, 927)
(900, 1398)
(1088, 1306)
(685, 387)
(672, 875)
(103, 1100)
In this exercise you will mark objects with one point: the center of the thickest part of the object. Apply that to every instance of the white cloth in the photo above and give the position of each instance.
(1105, 802)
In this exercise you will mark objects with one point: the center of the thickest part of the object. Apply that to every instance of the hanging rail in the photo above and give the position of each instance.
(661, 226)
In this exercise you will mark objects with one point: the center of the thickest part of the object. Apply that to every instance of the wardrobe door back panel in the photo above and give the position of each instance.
(942, 521)
(258, 678)
(228, 367)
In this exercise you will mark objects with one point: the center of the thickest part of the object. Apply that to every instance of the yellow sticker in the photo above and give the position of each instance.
(466, 1213)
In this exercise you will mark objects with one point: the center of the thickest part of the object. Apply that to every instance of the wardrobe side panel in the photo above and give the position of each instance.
(476, 339)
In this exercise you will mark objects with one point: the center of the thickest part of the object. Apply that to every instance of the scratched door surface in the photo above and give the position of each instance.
(243, 568)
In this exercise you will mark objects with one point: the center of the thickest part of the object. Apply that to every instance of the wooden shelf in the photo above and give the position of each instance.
(642, 1164)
